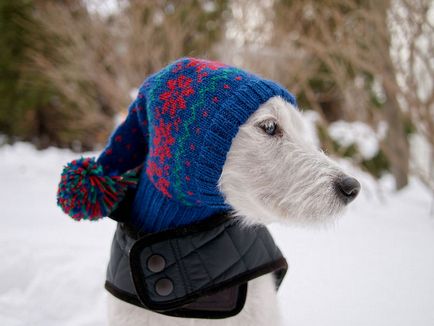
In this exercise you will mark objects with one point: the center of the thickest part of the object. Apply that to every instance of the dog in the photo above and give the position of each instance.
(273, 173)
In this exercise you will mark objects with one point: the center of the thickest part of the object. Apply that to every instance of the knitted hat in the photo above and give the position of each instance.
(179, 128)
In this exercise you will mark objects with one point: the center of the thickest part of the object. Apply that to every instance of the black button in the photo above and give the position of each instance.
(156, 263)
(164, 287)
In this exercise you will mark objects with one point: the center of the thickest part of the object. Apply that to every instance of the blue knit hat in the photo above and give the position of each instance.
(179, 128)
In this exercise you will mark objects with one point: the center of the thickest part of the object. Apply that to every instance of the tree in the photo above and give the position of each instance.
(90, 62)
(15, 96)
(33, 106)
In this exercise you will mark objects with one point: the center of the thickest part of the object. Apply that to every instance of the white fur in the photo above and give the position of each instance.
(281, 178)
(265, 179)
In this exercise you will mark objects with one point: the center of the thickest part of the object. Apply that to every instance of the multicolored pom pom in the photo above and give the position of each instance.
(86, 193)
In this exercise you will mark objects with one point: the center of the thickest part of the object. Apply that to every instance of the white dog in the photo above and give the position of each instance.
(273, 173)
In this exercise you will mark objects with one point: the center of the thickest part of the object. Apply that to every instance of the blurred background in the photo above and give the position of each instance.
(363, 73)
(365, 68)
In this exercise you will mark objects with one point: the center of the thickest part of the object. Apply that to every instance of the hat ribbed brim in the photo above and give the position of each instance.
(231, 115)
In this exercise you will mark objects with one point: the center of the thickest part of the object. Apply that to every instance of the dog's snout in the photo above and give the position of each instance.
(348, 188)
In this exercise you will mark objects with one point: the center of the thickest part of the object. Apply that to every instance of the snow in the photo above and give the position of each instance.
(375, 266)
(358, 133)
(106, 8)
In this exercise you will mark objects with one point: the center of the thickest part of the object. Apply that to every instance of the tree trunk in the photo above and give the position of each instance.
(396, 145)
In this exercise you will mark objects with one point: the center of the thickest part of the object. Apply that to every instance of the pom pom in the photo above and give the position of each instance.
(86, 193)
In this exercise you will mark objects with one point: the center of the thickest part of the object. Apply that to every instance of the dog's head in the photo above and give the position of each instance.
(273, 171)
(206, 139)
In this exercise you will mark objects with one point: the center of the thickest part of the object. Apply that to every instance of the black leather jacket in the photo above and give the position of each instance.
(198, 271)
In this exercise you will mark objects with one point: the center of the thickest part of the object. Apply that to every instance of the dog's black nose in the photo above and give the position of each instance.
(348, 188)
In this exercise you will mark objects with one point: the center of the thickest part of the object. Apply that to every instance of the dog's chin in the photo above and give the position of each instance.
(312, 216)
(253, 210)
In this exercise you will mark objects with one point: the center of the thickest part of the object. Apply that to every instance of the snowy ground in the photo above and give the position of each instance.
(374, 267)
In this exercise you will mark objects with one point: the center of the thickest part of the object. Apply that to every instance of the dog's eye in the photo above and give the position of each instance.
(270, 127)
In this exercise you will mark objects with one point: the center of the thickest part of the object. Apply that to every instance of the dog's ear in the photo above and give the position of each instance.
(91, 189)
